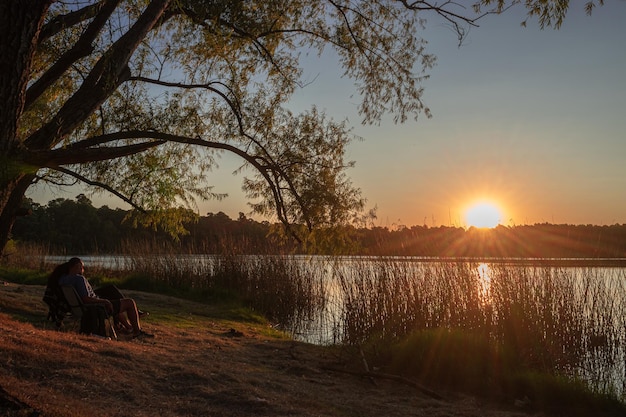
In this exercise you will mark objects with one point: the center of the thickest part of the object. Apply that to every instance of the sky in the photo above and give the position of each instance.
(532, 120)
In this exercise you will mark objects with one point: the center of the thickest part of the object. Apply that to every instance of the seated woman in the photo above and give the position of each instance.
(124, 309)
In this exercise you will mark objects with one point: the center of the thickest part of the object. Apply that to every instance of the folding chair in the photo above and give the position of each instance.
(58, 309)
(85, 312)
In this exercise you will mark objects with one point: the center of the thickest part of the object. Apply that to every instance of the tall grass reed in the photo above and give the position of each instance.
(277, 286)
(567, 321)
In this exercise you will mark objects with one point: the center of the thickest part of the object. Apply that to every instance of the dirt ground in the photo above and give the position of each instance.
(195, 366)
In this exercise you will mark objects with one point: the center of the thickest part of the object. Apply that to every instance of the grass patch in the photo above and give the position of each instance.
(452, 359)
(23, 276)
(561, 395)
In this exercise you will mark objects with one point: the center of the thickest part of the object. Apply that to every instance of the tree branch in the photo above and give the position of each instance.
(99, 185)
(108, 73)
(62, 22)
(455, 19)
(82, 48)
(263, 165)
(68, 156)
(235, 107)
(233, 104)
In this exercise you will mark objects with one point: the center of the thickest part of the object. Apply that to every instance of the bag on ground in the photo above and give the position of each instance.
(94, 321)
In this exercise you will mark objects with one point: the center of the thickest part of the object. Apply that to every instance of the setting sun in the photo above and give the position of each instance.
(483, 214)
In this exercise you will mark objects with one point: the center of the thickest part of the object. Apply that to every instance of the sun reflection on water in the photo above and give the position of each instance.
(484, 275)
(484, 272)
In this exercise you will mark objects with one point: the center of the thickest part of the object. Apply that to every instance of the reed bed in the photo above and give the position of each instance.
(389, 299)
(25, 255)
(567, 321)
(281, 287)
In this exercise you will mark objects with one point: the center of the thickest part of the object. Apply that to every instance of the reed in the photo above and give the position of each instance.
(562, 321)
(388, 298)
(280, 287)
(25, 255)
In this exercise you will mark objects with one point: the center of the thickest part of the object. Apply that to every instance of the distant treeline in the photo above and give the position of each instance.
(527, 241)
(75, 226)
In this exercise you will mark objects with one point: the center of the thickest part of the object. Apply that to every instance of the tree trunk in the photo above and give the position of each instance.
(11, 197)
(20, 24)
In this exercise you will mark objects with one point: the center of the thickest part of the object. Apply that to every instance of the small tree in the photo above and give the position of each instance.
(139, 97)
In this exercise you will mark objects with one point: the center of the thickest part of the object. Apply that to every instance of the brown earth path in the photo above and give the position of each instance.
(195, 366)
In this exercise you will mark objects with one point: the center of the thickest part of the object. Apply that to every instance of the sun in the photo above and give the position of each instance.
(483, 214)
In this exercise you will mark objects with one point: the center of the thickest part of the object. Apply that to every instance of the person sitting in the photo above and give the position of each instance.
(111, 292)
(124, 309)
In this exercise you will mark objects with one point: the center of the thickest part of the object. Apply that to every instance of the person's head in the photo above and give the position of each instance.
(75, 266)
(58, 272)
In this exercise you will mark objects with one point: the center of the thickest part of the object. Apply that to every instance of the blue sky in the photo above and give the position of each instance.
(532, 119)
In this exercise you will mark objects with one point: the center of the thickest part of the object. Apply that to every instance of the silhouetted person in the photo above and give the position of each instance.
(124, 309)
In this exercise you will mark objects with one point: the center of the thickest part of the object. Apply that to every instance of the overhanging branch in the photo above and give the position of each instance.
(106, 75)
(99, 185)
(62, 22)
(267, 168)
(67, 156)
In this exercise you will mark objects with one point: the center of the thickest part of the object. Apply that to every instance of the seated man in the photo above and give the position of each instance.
(111, 292)
(124, 309)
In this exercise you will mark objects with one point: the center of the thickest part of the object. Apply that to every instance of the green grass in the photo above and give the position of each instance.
(562, 396)
(23, 276)
(452, 358)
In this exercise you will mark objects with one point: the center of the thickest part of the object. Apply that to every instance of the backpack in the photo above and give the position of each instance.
(94, 321)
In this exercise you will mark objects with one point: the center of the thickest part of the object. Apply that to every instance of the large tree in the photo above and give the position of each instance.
(139, 97)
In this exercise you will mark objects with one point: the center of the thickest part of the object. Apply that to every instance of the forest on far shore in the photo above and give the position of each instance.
(76, 226)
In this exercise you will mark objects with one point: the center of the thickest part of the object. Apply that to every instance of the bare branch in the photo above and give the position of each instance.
(454, 19)
(99, 185)
(233, 104)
